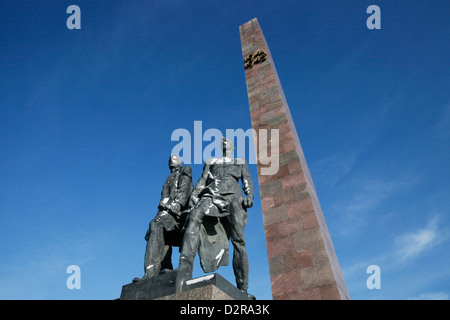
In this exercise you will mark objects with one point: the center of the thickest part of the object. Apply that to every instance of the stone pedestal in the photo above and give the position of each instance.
(302, 259)
(168, 287)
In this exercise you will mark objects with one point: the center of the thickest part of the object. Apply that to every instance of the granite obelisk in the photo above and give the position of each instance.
(302, 259)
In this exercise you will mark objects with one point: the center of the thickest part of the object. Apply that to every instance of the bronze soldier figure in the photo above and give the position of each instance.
(165, 230)
(217, 203)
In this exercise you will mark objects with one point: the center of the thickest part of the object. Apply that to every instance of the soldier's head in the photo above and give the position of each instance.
(174, 162)
(227, 147)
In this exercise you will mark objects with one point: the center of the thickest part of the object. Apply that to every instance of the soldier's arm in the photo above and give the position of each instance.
(201, 183)
(247, 185)
(165, 196)
(185, 188)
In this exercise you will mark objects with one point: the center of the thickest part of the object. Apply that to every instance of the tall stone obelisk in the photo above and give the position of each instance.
(302, 259)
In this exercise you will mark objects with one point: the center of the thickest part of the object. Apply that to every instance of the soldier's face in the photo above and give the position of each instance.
(226, 146)
(174, 162)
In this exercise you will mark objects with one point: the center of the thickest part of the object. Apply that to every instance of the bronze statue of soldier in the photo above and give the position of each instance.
(165, 230)
(218, 212)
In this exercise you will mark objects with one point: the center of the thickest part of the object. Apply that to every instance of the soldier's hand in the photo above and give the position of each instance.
(163, 203)
(174, 207)
(147, 235)
(248, 202)
(193, 200)
(162, 206)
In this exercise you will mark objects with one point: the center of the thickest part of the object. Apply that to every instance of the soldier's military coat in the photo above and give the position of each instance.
(221, 201)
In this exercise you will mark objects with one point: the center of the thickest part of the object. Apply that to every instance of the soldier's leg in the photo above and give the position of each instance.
(191, 238)
(166, 263)
(237, 221)
(156, 249)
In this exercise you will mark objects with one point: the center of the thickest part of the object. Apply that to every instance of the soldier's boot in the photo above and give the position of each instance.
(185, 268)
(150, 271)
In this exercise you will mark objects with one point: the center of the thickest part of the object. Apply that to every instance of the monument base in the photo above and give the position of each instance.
(168, 286)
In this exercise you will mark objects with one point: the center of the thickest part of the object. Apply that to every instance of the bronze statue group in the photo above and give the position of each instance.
(202, 219)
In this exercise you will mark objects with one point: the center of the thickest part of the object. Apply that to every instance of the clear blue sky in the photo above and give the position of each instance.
(87, 115)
